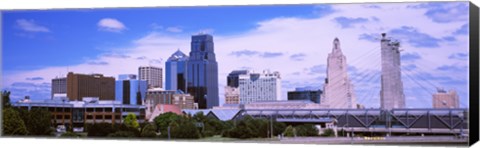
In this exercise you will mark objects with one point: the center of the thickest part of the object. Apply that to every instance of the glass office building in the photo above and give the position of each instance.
(127, 87)
(202, 72)
(175, 72)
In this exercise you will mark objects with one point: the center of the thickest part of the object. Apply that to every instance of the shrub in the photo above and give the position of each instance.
(70, 134)
(306, 130)
(289, 131)
(328, 133)
(122, 134)
(100, 129)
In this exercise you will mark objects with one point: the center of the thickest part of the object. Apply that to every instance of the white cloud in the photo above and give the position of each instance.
(206, 31)
(174, 29)
(30, 26)
(111, 25)
(312, 37)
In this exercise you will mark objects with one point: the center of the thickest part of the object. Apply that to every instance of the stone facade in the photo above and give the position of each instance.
(338, 90)
(232, 95)
(391, 93)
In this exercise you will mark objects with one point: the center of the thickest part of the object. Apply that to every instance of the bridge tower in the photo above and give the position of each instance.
(391, 93)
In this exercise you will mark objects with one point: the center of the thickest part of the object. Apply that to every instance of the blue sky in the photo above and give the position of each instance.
(79, 28)
(40, 45)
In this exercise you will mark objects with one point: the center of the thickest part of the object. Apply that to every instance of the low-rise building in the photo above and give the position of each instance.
(444, 99)
(232, 95)
(305, 94)
(157, 97)
(88, 111)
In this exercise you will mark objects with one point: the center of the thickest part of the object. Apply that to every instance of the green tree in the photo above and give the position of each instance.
(5, 99)
(164, 120)
(278, 128)
(184, 128)
(12, 123)
(38, 121)
(306, 130)
(148, 131)
(328, 133)
(289, 131)
(211, 125)
(131, 121)
(245, 128)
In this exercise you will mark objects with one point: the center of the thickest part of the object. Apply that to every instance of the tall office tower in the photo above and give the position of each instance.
(338, 91)
(202, 72)
(256, 87)
(129, 90)
(444, 99)
(232, 78)
(153, 76)
(59, 86)
(175, 72)
(80, 86)
(391, 93)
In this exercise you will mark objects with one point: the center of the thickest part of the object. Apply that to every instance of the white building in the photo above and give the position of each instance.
(391, 93)
(255, 87)
(338, 91)
(153, 76)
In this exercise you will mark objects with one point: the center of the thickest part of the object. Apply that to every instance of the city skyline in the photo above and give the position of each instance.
(302, 38)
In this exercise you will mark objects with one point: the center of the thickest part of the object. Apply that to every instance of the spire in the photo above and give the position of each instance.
(336, 46)
(178, 55)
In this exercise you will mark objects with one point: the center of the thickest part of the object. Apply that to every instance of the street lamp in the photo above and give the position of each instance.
(168, 128)
(271, 126)
(343, 129)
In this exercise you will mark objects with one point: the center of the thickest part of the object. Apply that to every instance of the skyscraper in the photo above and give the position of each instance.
(202, 72)
(128, 89)
(391, 93)
(153, 76)
(338, 90)
(175, 72)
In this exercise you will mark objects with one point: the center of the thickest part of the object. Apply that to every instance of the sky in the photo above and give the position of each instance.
(39, 45)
